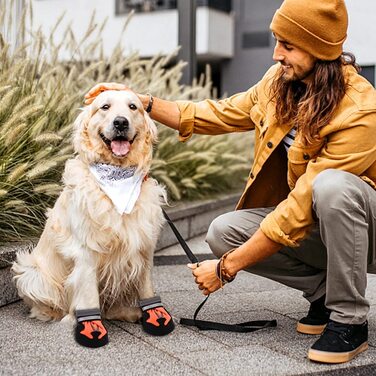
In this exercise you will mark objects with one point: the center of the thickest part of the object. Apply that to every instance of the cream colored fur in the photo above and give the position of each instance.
(89, 255)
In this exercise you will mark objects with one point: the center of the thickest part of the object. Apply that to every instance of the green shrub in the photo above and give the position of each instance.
(40, 96)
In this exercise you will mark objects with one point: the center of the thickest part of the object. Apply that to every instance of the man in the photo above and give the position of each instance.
(307, 217)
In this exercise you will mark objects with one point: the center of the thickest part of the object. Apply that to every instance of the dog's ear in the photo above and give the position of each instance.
(79, 126)
(151, 128)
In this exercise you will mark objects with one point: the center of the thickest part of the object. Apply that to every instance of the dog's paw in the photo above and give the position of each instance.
(155, 318)
(68, 320)
(44, 313)
(130, 314)
(90, 331)
(133, 314)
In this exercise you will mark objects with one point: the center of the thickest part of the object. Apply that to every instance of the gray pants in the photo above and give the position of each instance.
(333, 260)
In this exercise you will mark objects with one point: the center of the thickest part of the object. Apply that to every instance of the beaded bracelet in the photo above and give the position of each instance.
(221, 271)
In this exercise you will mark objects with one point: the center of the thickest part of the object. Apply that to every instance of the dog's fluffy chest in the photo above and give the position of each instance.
(91, 211)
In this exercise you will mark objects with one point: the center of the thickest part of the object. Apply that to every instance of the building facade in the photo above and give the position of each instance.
(231, 35)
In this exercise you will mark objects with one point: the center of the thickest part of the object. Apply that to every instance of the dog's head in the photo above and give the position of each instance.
(116, 130)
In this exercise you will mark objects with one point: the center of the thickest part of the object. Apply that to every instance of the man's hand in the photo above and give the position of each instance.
(206, 276)
(254, 250)
(99, 88)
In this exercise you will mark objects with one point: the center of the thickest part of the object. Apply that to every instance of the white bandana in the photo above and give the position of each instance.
(121, 185)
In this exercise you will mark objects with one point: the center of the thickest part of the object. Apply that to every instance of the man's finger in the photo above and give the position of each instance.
(94, 91)
(101, 87)
(88, 101)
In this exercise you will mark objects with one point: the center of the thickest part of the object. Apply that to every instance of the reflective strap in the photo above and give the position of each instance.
(88, 314)
(145, 308)
(88, 318)
(153, 302)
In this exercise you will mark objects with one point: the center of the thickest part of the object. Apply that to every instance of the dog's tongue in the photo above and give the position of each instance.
(120, 148)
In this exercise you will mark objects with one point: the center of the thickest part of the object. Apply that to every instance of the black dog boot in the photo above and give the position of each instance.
(155, 319)
(90, 331)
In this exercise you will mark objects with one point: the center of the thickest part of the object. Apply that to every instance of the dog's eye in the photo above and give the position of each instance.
(132, 106)
(105, 107)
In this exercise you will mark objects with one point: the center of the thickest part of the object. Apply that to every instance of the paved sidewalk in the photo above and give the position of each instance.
(29, 347)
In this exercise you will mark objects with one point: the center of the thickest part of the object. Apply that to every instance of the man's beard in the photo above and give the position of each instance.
(297, 78)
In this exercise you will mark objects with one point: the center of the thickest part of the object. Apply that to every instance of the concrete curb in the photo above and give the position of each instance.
(191, 219)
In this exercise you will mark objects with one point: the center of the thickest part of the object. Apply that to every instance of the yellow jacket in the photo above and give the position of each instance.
(347, 142)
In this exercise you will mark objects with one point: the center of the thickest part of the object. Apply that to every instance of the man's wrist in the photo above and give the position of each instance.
(144, 98)
(231, 264)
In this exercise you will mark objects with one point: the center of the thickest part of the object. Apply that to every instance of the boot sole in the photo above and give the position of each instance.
(333, 357)
(310, 329)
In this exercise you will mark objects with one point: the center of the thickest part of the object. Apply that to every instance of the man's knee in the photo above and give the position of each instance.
(215, 236)
(232, 229)
(333, 189)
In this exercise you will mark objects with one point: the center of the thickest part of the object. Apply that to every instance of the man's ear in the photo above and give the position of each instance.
(152, 128)
(79, 127)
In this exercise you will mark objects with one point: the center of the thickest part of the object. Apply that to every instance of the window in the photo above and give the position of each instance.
(223, 5)
(125, 6)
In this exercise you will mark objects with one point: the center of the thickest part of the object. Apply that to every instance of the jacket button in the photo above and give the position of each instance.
(269, 145)
(252, 176)
(305, 156)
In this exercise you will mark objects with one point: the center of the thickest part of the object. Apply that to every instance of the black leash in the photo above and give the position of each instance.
(244, 327)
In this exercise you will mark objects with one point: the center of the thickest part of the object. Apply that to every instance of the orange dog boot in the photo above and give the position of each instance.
(90, 331)
(155, 318)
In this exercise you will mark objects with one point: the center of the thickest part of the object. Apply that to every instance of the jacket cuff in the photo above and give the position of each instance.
(187, 120)
(270, 227)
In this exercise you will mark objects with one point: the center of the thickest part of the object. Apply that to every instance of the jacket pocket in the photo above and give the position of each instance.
(258, 119)
(298, 158)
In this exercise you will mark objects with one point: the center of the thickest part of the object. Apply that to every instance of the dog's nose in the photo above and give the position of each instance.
(121, 123)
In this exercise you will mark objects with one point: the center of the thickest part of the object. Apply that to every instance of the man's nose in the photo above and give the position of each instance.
(121, 123)
(277, 55)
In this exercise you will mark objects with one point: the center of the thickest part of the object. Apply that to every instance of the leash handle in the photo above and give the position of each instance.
(243, 327)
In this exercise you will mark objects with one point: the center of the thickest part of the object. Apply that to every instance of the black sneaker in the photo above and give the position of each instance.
(339, 343)
(316, 320)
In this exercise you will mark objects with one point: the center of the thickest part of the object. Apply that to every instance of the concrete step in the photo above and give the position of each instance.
(191, 219)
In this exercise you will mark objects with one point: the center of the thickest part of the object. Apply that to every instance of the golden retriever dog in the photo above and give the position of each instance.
(91, 253)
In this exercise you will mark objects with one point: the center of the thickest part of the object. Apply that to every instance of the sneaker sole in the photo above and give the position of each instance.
(333, 357)
(310, 329)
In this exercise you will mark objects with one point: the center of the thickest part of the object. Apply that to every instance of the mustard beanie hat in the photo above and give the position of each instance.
(318, 27)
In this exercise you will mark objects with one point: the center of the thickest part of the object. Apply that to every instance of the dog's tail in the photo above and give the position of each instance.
(37, 288)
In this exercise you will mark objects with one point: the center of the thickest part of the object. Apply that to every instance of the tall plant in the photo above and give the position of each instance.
(40, 95)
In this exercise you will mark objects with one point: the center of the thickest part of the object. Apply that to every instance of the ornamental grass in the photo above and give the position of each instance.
(40, 96)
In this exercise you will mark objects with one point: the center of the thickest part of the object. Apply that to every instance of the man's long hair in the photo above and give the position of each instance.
(310, 107)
